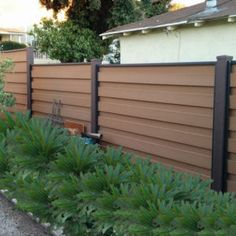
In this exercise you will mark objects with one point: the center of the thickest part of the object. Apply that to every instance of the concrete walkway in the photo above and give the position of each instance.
(16, 223)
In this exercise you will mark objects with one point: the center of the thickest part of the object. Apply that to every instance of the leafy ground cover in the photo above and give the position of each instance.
(91, 191)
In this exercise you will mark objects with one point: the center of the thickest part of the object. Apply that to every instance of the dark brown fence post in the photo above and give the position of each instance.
(94, 95)
(30, 61)
(220, 123)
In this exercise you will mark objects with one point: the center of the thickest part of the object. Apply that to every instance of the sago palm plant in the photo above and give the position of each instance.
(40, 143)
(76, 158)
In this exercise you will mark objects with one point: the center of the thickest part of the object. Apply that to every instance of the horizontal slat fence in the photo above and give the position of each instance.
(16, 80)
(162, 111)
(231, 182)
(70, 83)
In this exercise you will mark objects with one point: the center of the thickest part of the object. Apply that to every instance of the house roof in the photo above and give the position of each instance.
(11, 31)
(188, 15)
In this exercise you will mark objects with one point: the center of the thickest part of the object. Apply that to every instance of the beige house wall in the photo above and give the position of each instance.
(20, 38)
(184, 44)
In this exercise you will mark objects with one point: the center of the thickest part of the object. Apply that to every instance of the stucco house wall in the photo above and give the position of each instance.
(16, 35)
(5, 37)
(184, 44)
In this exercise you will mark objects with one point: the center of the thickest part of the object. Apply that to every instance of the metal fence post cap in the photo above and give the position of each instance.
(97, 61)
(224, 57)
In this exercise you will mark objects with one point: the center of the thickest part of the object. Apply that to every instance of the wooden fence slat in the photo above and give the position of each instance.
(157, 149)
(157, 132)
(200, 100)
(20, 67)
(16, 88)
(62, 85)
(232, 145)
(153, 75)
(232, 123)
(159, 69)
(63, 71)
(79, 113)
(75, 99)
(233, 80)
(158, 114)
(232, 166)
(21, 99)
(16, 78)
(16, 55)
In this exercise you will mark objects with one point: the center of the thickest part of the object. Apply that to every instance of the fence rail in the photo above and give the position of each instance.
(181, 114)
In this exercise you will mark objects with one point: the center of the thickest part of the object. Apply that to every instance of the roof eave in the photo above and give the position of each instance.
(115, 33)
(112, 34)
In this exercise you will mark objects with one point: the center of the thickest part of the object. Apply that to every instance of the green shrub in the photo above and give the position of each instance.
(67, 41)
(11, 45)
(40, 143)
(77, 158)
(95, 192)
(33, 197)
(10, 122)
(4, 161)
(6, 99)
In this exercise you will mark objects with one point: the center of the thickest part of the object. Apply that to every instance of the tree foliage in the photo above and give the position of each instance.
(99, 15)
(66, 41)
(78, 38)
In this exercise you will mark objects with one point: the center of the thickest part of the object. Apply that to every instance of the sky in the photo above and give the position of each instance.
(24, 13)
(20, 13)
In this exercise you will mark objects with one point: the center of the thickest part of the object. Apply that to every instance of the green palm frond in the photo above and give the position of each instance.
(40, 143)
(78, 158)
(34, 198)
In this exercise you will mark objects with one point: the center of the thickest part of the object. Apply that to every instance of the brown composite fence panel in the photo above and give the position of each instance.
(164, 112)
(70, 83)
(16, 80)
(231, 183)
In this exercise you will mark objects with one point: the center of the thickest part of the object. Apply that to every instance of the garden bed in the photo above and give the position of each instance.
(90, 191)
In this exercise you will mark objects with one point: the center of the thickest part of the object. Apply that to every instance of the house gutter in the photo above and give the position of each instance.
(12, 33)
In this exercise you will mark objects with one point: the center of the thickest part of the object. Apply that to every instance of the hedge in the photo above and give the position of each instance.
(11, 45)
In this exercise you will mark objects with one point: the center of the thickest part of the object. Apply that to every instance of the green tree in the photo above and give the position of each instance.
(154, 7)
(78, 38)
(66, 41)
(124, 12)
(100, 15)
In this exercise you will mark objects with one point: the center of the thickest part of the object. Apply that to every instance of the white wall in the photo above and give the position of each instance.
(181, 45)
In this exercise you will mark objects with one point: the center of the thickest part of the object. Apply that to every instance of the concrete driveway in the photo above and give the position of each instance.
(16, 223)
